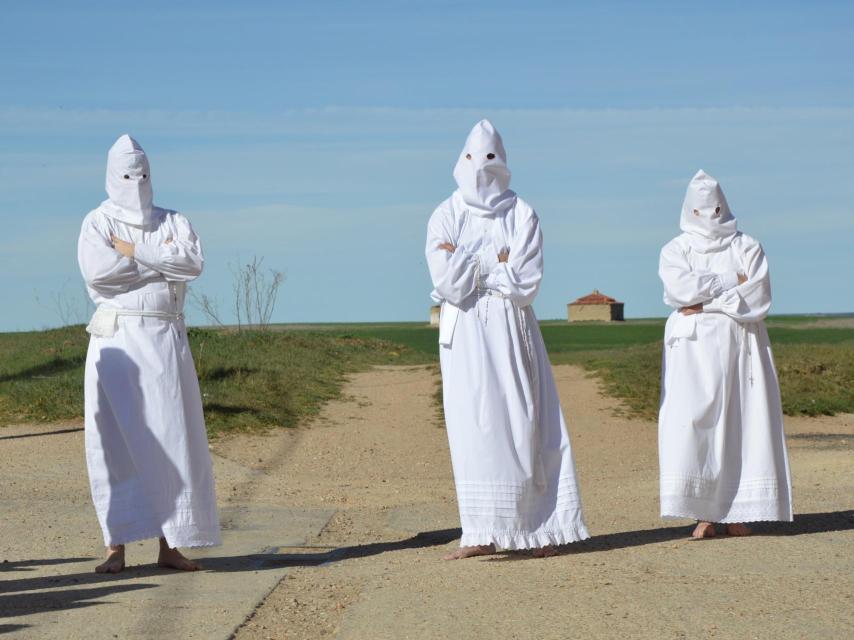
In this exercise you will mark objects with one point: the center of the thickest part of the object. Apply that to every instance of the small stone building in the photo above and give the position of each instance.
(594, 306)
(434, 315)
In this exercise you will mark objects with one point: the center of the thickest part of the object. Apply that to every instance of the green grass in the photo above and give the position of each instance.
(41, 375)
(816, 379)
(420, 340)
(262, 379)
(815, 366)
(256, 380)
(630, 374)
(248, 380)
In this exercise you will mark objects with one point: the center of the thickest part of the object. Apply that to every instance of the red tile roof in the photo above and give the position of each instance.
(595, 298)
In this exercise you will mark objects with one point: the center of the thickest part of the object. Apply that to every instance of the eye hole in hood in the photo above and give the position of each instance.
(481, 172)
(128, 184)
(706, 216)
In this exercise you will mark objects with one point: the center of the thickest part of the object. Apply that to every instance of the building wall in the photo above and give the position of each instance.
(434, 315)
(600, 312)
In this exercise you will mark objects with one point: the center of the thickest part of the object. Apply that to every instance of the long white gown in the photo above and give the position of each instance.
(510, 450)
(146, 447)
(722, 448)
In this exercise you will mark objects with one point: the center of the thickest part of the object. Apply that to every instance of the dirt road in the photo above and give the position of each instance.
(337, 529)
(383, 465)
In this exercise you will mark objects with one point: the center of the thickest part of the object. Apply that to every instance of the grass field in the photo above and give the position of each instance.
(248, 380)
(253, 379)
(815, 364)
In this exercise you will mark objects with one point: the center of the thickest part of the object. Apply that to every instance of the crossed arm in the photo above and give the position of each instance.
(503, 256)
(744, 295)
(698, 308)
(127, 248)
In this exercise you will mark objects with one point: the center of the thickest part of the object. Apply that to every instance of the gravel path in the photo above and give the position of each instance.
(338, 528)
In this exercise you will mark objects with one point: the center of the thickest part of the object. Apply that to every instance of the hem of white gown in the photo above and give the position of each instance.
(676, 507)
(184, 537)
(515, 540)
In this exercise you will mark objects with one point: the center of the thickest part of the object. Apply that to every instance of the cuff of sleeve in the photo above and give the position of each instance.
(712, 305)
(728, 280)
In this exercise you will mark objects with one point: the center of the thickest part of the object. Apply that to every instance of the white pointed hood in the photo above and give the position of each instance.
(706, 216)
(484, 182)
(128, 185)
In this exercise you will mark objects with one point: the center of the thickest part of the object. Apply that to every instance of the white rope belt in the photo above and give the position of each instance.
(167, 315)
(105, 321)
(746, 332)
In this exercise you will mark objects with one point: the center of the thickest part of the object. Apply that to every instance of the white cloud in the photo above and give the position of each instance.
(339, 197)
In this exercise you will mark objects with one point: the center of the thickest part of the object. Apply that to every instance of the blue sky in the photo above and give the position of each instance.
(321, 135)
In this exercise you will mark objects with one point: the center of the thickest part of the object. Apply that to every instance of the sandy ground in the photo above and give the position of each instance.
(337, 530)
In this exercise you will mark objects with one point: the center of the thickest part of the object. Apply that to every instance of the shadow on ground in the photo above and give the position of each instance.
(46, 369)
(41, 433)
(57, 596)
(804, 523)
(28, 565)
(25, 604)
(418, 541)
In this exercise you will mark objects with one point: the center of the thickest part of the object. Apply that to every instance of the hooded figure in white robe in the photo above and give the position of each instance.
(146, 446)
(722, 448)
(510, 450)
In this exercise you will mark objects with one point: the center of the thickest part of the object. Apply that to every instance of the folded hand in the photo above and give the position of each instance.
(124, 248)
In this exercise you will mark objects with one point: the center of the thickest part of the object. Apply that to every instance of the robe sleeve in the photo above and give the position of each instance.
(180, 260)
(454, 275)
(519, 278)
(750, 301)
(683, 286)
(104, 269)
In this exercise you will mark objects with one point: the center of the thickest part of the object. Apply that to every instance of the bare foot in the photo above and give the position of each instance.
(115, 561)
(469, 552)
(174, 559)
(704, 530)
(544, 552)
(738, 529)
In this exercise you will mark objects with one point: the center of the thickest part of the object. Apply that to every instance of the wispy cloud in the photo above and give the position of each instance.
(339, 197)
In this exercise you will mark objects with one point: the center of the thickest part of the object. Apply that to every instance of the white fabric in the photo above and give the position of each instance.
(706, 216)
(128, 183)
(722, 449)
(105, 321)
(484, 183)
(510, 449)
(146, 447)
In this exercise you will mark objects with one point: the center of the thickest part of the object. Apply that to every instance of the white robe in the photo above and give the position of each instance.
(510, 449)
(146, 446)
(722, 448)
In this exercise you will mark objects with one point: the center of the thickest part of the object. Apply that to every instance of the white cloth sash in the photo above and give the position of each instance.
(447, 323)
(681, 327)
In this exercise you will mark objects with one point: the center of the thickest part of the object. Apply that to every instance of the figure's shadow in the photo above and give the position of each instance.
(38, 434)
(46, 369)
(9, 628)
(31, 595)
(251, 562)
(804, 523)
(28, 565)
(24, 604)
(279, 560)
